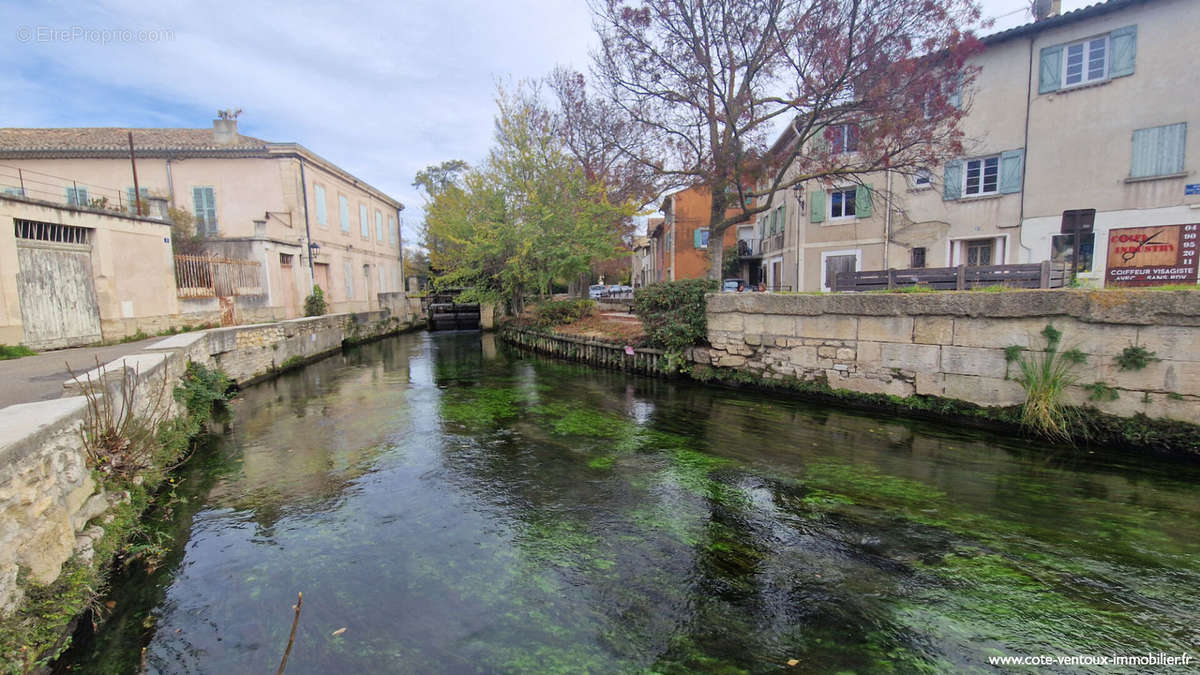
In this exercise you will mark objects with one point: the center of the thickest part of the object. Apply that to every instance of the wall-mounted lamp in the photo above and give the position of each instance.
(798, 191)
(313, 249)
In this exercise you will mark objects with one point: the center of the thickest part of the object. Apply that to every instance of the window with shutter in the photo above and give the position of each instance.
(1095, 59)
(1158, 151)
(816, 206)
(378, 225)
(952, 180)
(344, 213)
(77, 196)
(391, 230)
(319, 195)
(918, 257)
(842, 203)
(131, 203)
(205, 204)
(364, 225)
(863, 201)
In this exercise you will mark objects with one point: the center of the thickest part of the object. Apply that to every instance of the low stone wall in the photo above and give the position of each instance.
(953, 344)
(594, 352)
(50, 507)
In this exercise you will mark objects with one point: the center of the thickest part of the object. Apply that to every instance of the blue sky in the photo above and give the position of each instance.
(381, 89)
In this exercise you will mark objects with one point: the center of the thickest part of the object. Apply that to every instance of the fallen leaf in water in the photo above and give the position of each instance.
(340, 631)
(110, 604)
(793, 662)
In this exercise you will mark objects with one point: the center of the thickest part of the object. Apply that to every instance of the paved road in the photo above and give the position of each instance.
(40, 377)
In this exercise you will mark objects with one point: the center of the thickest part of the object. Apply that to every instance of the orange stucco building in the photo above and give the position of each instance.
(680, 248)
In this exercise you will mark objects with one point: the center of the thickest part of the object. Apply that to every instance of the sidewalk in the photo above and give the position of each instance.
(40, 377)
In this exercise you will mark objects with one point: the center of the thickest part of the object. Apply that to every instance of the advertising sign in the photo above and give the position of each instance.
(1152, 256)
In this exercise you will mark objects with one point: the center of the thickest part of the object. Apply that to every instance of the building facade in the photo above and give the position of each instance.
(681, 240)
(1087, 110)
(305, 219)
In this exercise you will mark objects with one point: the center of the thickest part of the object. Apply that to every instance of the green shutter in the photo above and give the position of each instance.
(1158, 151)
(1011, 165)
(782, 217)
(1050, 72)
(816, 206)
(696, 243)
(863, 200)
(1123, 45)
(952, 180)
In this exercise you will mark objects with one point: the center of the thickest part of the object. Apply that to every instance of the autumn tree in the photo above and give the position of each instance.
(528, 217)
(854, 86)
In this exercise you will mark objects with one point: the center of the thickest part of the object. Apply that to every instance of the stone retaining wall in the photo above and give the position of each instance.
(50, 506)
(953, 344)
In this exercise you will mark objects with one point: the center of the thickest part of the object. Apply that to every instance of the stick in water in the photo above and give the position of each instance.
(292, 637)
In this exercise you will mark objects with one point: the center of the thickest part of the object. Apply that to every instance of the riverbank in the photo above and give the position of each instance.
(952, 356)
(68, 507)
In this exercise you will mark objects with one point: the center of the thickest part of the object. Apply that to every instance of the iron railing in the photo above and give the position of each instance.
(198, 276)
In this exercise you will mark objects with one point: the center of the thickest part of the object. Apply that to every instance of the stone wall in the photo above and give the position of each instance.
(953, 344)
(51, 508)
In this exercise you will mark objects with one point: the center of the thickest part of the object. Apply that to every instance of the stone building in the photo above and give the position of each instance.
(303, 218)
(1084, 110)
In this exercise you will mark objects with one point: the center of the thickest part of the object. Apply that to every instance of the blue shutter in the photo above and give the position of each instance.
(1123, 45)
(378, 226)
(782, 217)
(863, 201)
(1158, 151)
(198, 209)
(1050, 71)
(322, 215)
(952, 180)
(696, 239)
(816, 206)
(1011, 165)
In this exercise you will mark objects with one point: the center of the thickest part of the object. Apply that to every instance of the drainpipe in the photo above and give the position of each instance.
(887, 221)
(307, 232)
(1025, 148)
(170, 185)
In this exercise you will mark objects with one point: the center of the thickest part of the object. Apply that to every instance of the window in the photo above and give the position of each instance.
(344, 213)
(1062, 247)
(347, 269)
(1096, 59)
(13, 191)
(205, 202)
(319, 195)
(364, 222)
(923, 178)
(841, 203)
(982, 176)
(38, 231)
(837, 262)
(392, 234)
(844, 138)
(700, 238)
(378, 225)
(1158, 151)
(918, 257)
(77, 196)
(1085, 61)
(131, 203)
(979, 252)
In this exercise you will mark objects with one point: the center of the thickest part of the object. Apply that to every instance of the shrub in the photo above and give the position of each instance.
(550, 313)
(672, 314)
(1045, 376)
(314, 304)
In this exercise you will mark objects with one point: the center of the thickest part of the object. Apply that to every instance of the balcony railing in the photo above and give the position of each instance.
(749, 248)
(772, 244)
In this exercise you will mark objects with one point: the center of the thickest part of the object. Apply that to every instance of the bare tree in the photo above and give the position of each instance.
(853, 86)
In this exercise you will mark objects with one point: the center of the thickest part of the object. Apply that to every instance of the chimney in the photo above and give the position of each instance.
(1045, 9)
(225, 131)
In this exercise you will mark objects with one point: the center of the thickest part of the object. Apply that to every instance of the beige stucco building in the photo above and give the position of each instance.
(258, 201)
(1085, 110)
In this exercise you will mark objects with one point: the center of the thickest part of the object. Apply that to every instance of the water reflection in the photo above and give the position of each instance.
(458, 507)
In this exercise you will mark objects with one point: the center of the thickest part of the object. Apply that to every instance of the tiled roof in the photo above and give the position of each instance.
(1065, 18)
(109, 139)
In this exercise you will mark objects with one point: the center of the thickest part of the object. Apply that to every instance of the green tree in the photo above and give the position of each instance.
(527, 218)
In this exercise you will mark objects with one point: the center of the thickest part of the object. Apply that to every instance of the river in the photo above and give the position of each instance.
(459, 507)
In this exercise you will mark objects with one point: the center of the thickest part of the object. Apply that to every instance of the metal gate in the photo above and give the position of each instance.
(55, 285)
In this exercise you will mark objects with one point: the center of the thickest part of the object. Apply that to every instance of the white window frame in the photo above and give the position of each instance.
(846, 137)
(856, 252)
(1086, 44)
(853, 191)
(982, 165)
(922, 179)
(956, 252)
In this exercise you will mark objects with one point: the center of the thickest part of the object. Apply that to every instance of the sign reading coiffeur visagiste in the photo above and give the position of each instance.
(1150, 256)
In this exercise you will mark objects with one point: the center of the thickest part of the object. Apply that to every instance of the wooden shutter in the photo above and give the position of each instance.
(1050, 71)
(863, 201)
(816, 206)
(1158, 151)
(952, 180)
(1122, 44)
(1011, 165)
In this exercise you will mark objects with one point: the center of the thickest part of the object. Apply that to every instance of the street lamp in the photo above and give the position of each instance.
(798, 191)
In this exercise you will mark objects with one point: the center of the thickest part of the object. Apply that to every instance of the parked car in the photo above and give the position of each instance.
(731, 285)
(597, 291)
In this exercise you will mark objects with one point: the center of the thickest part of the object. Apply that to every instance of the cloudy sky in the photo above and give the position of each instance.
(382, 89)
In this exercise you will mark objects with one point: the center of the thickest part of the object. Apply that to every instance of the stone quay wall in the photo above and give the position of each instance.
(51, 507)
(952, 344)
